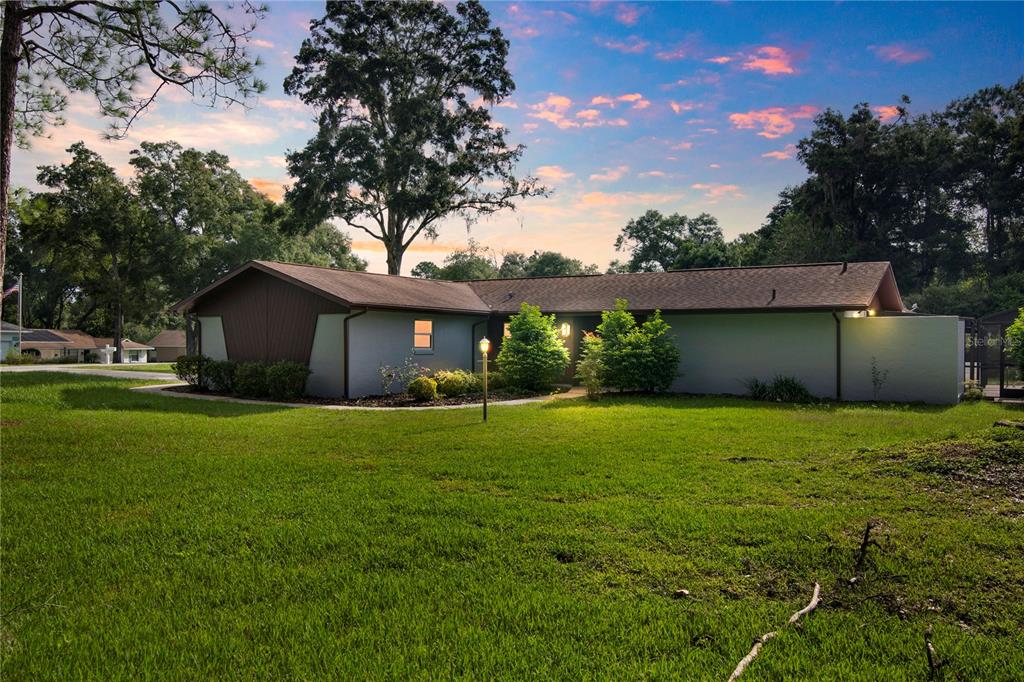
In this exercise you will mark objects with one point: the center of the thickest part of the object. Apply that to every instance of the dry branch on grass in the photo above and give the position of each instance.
(865, 543)
(760, 641)
(935, 664)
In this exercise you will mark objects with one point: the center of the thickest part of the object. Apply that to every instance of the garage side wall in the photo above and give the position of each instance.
(386, 338)
(918, 359)
(719, 353)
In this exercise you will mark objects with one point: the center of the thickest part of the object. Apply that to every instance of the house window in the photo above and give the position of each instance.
(423, 336)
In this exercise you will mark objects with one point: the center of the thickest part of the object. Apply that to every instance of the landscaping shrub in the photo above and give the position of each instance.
(533, 356)
(220, 375)
(16, 358)
(423, 389)
(190, 368)
(637, 357)
(495, 380)
(399, 374)
(1015, 339)
(458, 382)
(590, 368)
(781, 389)
(972, 390)
(286, 380)
(251, 380)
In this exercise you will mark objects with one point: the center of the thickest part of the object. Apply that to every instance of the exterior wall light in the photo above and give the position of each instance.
(566, 329)
(872, 313)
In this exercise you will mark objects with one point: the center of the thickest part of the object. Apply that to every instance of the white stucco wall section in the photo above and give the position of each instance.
(212, 338)
(386, 338)
(327, 358)
(720, 352)
(923, 356)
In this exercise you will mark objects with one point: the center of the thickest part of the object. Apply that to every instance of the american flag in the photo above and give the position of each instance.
(10, 291)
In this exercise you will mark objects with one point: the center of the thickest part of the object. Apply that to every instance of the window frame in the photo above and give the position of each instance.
(418, 350)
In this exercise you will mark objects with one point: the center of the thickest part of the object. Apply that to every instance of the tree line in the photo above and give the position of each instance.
(940, 196)
(98, 251)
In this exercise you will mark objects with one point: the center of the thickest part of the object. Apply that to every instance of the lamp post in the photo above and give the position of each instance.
(485, 347)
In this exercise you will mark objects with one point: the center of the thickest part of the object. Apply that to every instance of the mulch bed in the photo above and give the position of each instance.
(396, 400)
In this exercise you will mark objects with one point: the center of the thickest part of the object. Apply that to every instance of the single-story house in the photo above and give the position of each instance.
(76, 346)
(167, 346)
(840, 328)
(9, 334)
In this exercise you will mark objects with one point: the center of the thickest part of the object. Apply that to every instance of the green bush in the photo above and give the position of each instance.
(191, 369)
(16, 358)
(636, 357)
(423, 389)
(1015, 339)
(590, 368)
(286, 380)
(495, 380)
(251, 380)
(781, 389)
(532, 357)
(458, 382)
(220, 375)
(972, 391)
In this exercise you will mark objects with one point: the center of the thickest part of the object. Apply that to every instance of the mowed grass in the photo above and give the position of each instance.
(152, 536)
(163, 367)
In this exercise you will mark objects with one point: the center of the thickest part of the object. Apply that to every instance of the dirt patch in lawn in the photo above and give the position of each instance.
(397, 400)
(993, 459)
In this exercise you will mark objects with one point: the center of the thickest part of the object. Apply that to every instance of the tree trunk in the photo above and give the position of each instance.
(10, 56)
(395, 254)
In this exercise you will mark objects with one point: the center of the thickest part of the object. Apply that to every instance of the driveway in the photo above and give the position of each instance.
(80, 369)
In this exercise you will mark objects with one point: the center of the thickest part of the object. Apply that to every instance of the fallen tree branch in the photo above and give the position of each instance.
(760, 641)
(865, 543)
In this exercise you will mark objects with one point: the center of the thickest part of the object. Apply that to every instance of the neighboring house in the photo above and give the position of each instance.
(826, 324)
(8, 338)
(168, 345)
(75, 346)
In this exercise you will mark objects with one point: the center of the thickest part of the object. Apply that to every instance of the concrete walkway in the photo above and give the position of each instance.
(85, 369)
(575, 392)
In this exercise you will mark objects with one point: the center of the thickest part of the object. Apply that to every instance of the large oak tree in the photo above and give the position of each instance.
(51, 49)
(405, 136)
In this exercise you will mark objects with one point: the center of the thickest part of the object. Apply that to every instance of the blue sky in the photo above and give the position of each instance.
(684, 107)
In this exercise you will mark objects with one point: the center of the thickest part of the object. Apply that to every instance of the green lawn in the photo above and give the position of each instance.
(142, 367)
(194, 539)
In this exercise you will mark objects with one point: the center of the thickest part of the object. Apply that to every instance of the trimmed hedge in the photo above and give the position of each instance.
(283, 380)
(286, 380)
(458, 382)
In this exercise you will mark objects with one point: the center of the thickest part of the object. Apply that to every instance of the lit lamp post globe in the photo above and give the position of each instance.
(485, 348)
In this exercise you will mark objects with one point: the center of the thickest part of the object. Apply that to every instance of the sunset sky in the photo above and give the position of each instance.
(624, 107)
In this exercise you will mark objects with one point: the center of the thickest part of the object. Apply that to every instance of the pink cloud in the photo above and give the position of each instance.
(588, 114)
(260, 42)
(631, 45)
(715, 191)
(899, 53)
(553, 174)
(681, 146)
(680, 107)
(610, 174)
(774, 121)
(771, 60)
(617, 122)
(636, 99)
(553, 110)
(613, 199)
(601, 99)
(628, 13)
(653, 174)
(714, 165)
(887, 112)
(786, 152)
(719, 60)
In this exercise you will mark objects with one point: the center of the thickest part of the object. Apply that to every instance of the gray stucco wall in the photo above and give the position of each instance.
(386, 338)
(211, 338)
(922, 356)
(719, 353)
(327, 357)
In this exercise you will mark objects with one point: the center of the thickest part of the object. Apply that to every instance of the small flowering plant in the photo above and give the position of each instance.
(399, 374)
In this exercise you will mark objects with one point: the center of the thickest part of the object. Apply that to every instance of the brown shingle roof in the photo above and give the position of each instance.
(820, 286)
(169, 338)
(365, 289)
(42, 339)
